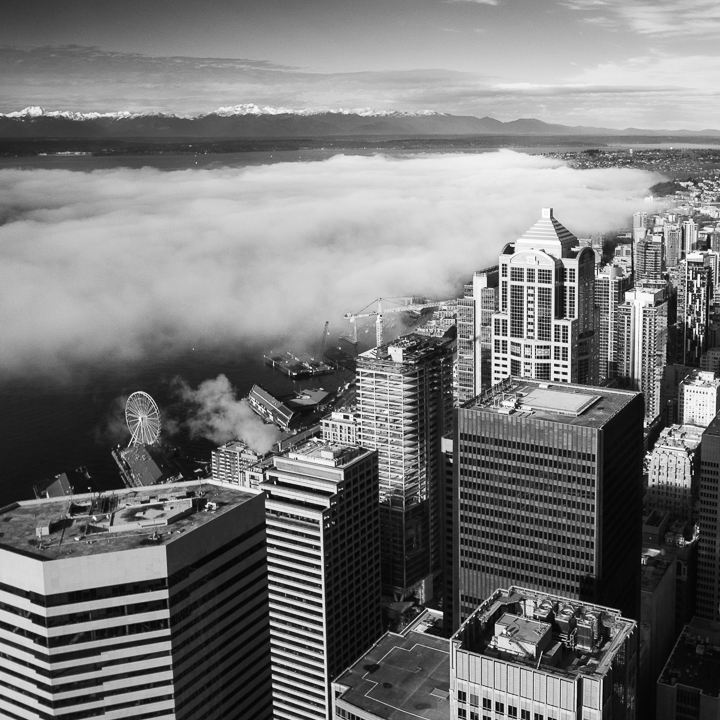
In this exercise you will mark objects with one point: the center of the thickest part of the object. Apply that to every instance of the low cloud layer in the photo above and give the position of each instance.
(118, 264)
(216, 413)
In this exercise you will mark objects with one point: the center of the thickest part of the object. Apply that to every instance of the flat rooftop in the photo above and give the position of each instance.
(324, 452)
(695, 659)
(411, 348)
(402, 677)
(96, 523)
(536, 629)
(562, 402)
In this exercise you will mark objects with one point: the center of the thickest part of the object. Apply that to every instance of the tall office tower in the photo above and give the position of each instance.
(640, 223)
(140, 603)
(649, 261)
(707, 599)
(641, 344)
(710, 360)
(545, 325)
(689, 236)
(693, 306)
(404, 402)
(672, 237)
(323, 543)
(673, 470)
(698, 398)
(527, 654)
(474, 331)
(611, 284)
(549, 492)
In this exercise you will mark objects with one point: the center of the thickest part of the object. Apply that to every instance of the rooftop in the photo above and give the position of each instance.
(402, 677)
(411, 348)
(528, 627)
(548, 234)
(701, 378)
(562, 402)
(96, 523)
(323, 452)
(695, 659)
(679, 437)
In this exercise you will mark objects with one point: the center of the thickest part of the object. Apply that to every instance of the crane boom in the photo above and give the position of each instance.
(405, 304)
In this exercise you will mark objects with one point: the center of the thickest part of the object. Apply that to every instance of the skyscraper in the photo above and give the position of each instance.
(672, 236)
(693, 309)
(707, 599)
(148, 603)
(641, 344)
(549, 493)
(323, 543)
(611, 283)
(404, 404)
(474, 334)
(545, 325)
(689, 236)
(649, 261)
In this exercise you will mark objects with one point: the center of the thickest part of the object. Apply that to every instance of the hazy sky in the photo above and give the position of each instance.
(613, 63)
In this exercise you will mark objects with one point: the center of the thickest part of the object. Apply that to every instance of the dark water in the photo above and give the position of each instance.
(48, 427)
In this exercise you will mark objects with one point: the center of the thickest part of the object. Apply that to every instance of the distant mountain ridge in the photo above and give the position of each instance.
(255, 122)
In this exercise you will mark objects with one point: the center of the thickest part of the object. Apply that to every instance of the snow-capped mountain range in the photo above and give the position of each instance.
(250, 121)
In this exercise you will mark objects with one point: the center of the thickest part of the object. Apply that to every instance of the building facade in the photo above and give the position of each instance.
(528, 655)
(707, 600)
(698, 398)
(323, 541)
(474, 334)
(641, 345)
(545, 324)
(695, 291)
(549, 484)
(148, 603)
(611, 284)
(404, 404)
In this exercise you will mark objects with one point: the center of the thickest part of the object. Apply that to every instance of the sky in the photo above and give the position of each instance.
(131, 263)
(605, 63)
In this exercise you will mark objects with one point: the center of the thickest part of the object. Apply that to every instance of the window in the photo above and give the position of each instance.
(474, 715)
(487, 704)
(524, 715)
(474, 700)
(538, 716)
(462, 713)
(512, 711)
(499, 708)
(462, 696)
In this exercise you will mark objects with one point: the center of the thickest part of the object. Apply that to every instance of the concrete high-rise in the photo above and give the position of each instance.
(323, 542)
(707, 598)
(689, 236)
(611, 284)
(672, 237)
(404, 405)
(528, 655)
(649, 261)
(549, 493)
(148, 603)
(474, 334)
(698, 398)
(695, 291)
(641, 344)
(545, 324)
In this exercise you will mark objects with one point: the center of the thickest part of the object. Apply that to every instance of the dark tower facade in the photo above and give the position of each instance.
(548, 494)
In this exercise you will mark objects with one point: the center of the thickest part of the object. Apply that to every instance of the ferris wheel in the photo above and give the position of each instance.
(143, 419)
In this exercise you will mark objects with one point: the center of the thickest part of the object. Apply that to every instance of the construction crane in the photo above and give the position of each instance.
(379, 307)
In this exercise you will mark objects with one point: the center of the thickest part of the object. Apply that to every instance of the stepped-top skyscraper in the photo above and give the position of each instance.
(545, 327)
